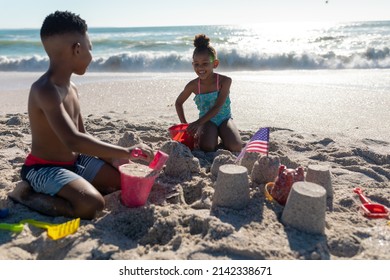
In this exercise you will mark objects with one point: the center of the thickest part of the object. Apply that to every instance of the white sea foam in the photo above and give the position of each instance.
(359, 45)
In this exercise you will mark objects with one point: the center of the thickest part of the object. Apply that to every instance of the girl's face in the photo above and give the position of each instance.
(204, 65)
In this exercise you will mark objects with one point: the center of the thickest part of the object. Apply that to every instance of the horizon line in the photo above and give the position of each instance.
(211, 24)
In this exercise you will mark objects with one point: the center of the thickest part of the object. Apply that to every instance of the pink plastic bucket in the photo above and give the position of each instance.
(135, 190)
(185, 138)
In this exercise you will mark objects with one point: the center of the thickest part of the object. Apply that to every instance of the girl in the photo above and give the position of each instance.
(212, 99)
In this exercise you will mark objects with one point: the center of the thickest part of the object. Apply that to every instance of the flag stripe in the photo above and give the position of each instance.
(259, 143)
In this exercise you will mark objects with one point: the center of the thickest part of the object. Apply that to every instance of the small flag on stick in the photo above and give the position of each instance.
(259, 143)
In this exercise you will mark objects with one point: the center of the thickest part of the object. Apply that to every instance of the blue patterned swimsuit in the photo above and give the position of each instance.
(205, 101)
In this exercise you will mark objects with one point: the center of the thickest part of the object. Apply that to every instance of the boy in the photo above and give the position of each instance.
(62, 168)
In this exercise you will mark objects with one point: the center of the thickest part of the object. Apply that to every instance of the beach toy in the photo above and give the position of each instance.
(54, 231)
(369, 209)
(137, 152)
(179, 133)
(4, 212)
(135, 188)
(267, 190)
(158, 161)
(284, 181)
(12, 227)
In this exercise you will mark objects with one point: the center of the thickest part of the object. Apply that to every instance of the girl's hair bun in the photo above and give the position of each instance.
(202, 45)
(201, 41)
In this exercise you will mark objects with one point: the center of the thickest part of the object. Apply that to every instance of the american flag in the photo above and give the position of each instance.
(259, 143)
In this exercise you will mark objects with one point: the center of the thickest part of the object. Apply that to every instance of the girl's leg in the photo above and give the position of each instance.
(208, 137)
(230, 136)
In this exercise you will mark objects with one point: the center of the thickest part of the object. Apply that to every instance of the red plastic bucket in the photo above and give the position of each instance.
(134, 190)
(185, 138)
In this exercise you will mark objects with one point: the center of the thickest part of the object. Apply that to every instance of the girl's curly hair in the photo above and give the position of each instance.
(202, 45)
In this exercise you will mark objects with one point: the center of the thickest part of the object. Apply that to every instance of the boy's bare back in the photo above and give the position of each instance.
(49, 105)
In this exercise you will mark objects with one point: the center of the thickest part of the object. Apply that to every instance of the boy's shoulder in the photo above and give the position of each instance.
(45, 92)
(42, 84)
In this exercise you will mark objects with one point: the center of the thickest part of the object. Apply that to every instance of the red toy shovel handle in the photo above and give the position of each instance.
(137, 152)
(363, 199)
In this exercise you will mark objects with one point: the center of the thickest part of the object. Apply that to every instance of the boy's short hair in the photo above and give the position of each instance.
(62, 22)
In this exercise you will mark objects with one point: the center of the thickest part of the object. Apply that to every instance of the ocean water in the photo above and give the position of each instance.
(268, 46)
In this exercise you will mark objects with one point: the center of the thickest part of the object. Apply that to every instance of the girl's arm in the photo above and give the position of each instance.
(183, 96)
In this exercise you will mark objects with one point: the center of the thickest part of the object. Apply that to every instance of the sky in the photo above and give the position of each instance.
(133, 13)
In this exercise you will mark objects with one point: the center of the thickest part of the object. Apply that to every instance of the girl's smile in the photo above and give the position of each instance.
(203, 65)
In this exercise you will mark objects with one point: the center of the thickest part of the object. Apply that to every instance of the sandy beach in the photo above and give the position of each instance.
(337, 119)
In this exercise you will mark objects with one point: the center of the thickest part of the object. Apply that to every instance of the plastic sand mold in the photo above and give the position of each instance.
(54, 231)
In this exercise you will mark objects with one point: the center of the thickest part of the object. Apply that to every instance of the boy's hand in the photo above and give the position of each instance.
(142, 152)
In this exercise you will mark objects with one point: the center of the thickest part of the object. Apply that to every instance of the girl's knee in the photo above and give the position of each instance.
(234, 146)
(208, 146)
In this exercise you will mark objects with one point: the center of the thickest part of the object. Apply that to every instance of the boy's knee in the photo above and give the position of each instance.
(21, 192)
(90, 208)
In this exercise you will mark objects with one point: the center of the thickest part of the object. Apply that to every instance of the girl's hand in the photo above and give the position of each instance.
(193, 127)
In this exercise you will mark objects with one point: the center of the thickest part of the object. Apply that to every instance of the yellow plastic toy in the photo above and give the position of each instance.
(54, 231)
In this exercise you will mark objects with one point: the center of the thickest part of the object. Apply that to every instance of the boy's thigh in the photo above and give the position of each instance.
(79, 192)
(49, 180)
(103, 176)
(107, 180)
